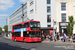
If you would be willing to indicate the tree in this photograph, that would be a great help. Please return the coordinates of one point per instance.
(70, 26)
(6, 28)
(0, 30)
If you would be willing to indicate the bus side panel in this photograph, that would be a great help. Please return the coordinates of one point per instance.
(29, 39)
(19, 38)
(13, 38)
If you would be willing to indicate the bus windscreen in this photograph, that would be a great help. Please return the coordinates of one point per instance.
(34, 24)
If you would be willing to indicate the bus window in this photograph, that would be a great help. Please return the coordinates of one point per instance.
(35, 34)
(14, 27)
(32, 34)
(25, 25)
(34, 24)
(13, 34)
(25, 34)
(17, 26)
(17, 34)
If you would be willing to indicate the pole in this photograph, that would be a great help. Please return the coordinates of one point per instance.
(22, 13)
(53, 31)
(6, 21)
(6, 32)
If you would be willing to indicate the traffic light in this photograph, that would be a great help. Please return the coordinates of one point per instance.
(54, 22)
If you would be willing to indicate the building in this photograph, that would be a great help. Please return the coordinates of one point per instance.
(45, 11)
(41, 10)
(64, 8)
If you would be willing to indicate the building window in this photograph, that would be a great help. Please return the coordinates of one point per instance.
(48, 1)
(48, 9)
(63, 6)
(49, 25)
(63, 16)
(48, 18)
(31, 3)
(31, 11)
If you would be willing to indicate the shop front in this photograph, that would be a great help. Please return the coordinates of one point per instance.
(63, 28)
(47, 30)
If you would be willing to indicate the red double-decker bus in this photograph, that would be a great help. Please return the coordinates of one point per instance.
(28, 31)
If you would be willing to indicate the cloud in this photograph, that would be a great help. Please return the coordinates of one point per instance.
(5, 4)
(3, 16)
(22, 0)
(2, 25)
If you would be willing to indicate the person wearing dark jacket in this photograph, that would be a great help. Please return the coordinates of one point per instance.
(45, 35)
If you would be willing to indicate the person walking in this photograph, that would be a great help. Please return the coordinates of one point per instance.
(45, 35)
(72, 38)
(42, 37)
(64, 37)
(51, 37)
(55, 37)
(58, 36)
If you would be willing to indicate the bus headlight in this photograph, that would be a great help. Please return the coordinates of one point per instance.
(29, 38)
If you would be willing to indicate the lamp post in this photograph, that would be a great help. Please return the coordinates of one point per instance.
(6, 21)
(22, 13)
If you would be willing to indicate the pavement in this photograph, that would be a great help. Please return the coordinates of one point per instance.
(7, 44)
(59, 42)
(52, 42)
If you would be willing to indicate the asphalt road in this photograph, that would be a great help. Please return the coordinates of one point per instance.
(7, 44)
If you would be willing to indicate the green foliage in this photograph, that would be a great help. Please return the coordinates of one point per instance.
(6, 28)
(70, 26)
(0, 30)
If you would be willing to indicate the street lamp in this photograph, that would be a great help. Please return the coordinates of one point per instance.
(3, 30)
(6, 21)
(22, 13)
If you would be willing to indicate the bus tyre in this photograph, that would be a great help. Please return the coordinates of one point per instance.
(15, 39)
(24, 40)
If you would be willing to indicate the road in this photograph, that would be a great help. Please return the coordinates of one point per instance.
(7, 44)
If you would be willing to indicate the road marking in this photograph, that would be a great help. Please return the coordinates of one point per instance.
(32, 49)
(65, 47)
(11, 44)
(22, 47)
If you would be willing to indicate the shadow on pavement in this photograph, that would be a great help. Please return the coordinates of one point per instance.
(5, 46)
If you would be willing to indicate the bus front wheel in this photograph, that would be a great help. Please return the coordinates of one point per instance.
(24, 40)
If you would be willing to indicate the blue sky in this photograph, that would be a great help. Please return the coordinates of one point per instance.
(7, 7)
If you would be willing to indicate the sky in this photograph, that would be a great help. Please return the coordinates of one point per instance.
(7, 7)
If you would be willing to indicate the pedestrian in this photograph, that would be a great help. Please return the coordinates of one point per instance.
(64, 34)
(64, 37)
(55, 37)
(51, 37)
(71, 39)
(55, 33)
(58, 36)
(42, 37)
(45, 35)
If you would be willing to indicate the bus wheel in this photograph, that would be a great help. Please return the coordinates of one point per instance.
(24, 40)
(15, 39)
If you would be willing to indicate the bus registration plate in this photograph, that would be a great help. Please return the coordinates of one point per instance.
(35, 40)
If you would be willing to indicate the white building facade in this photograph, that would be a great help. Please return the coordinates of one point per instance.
(41, 10)
(64, 9)
(45, 11)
